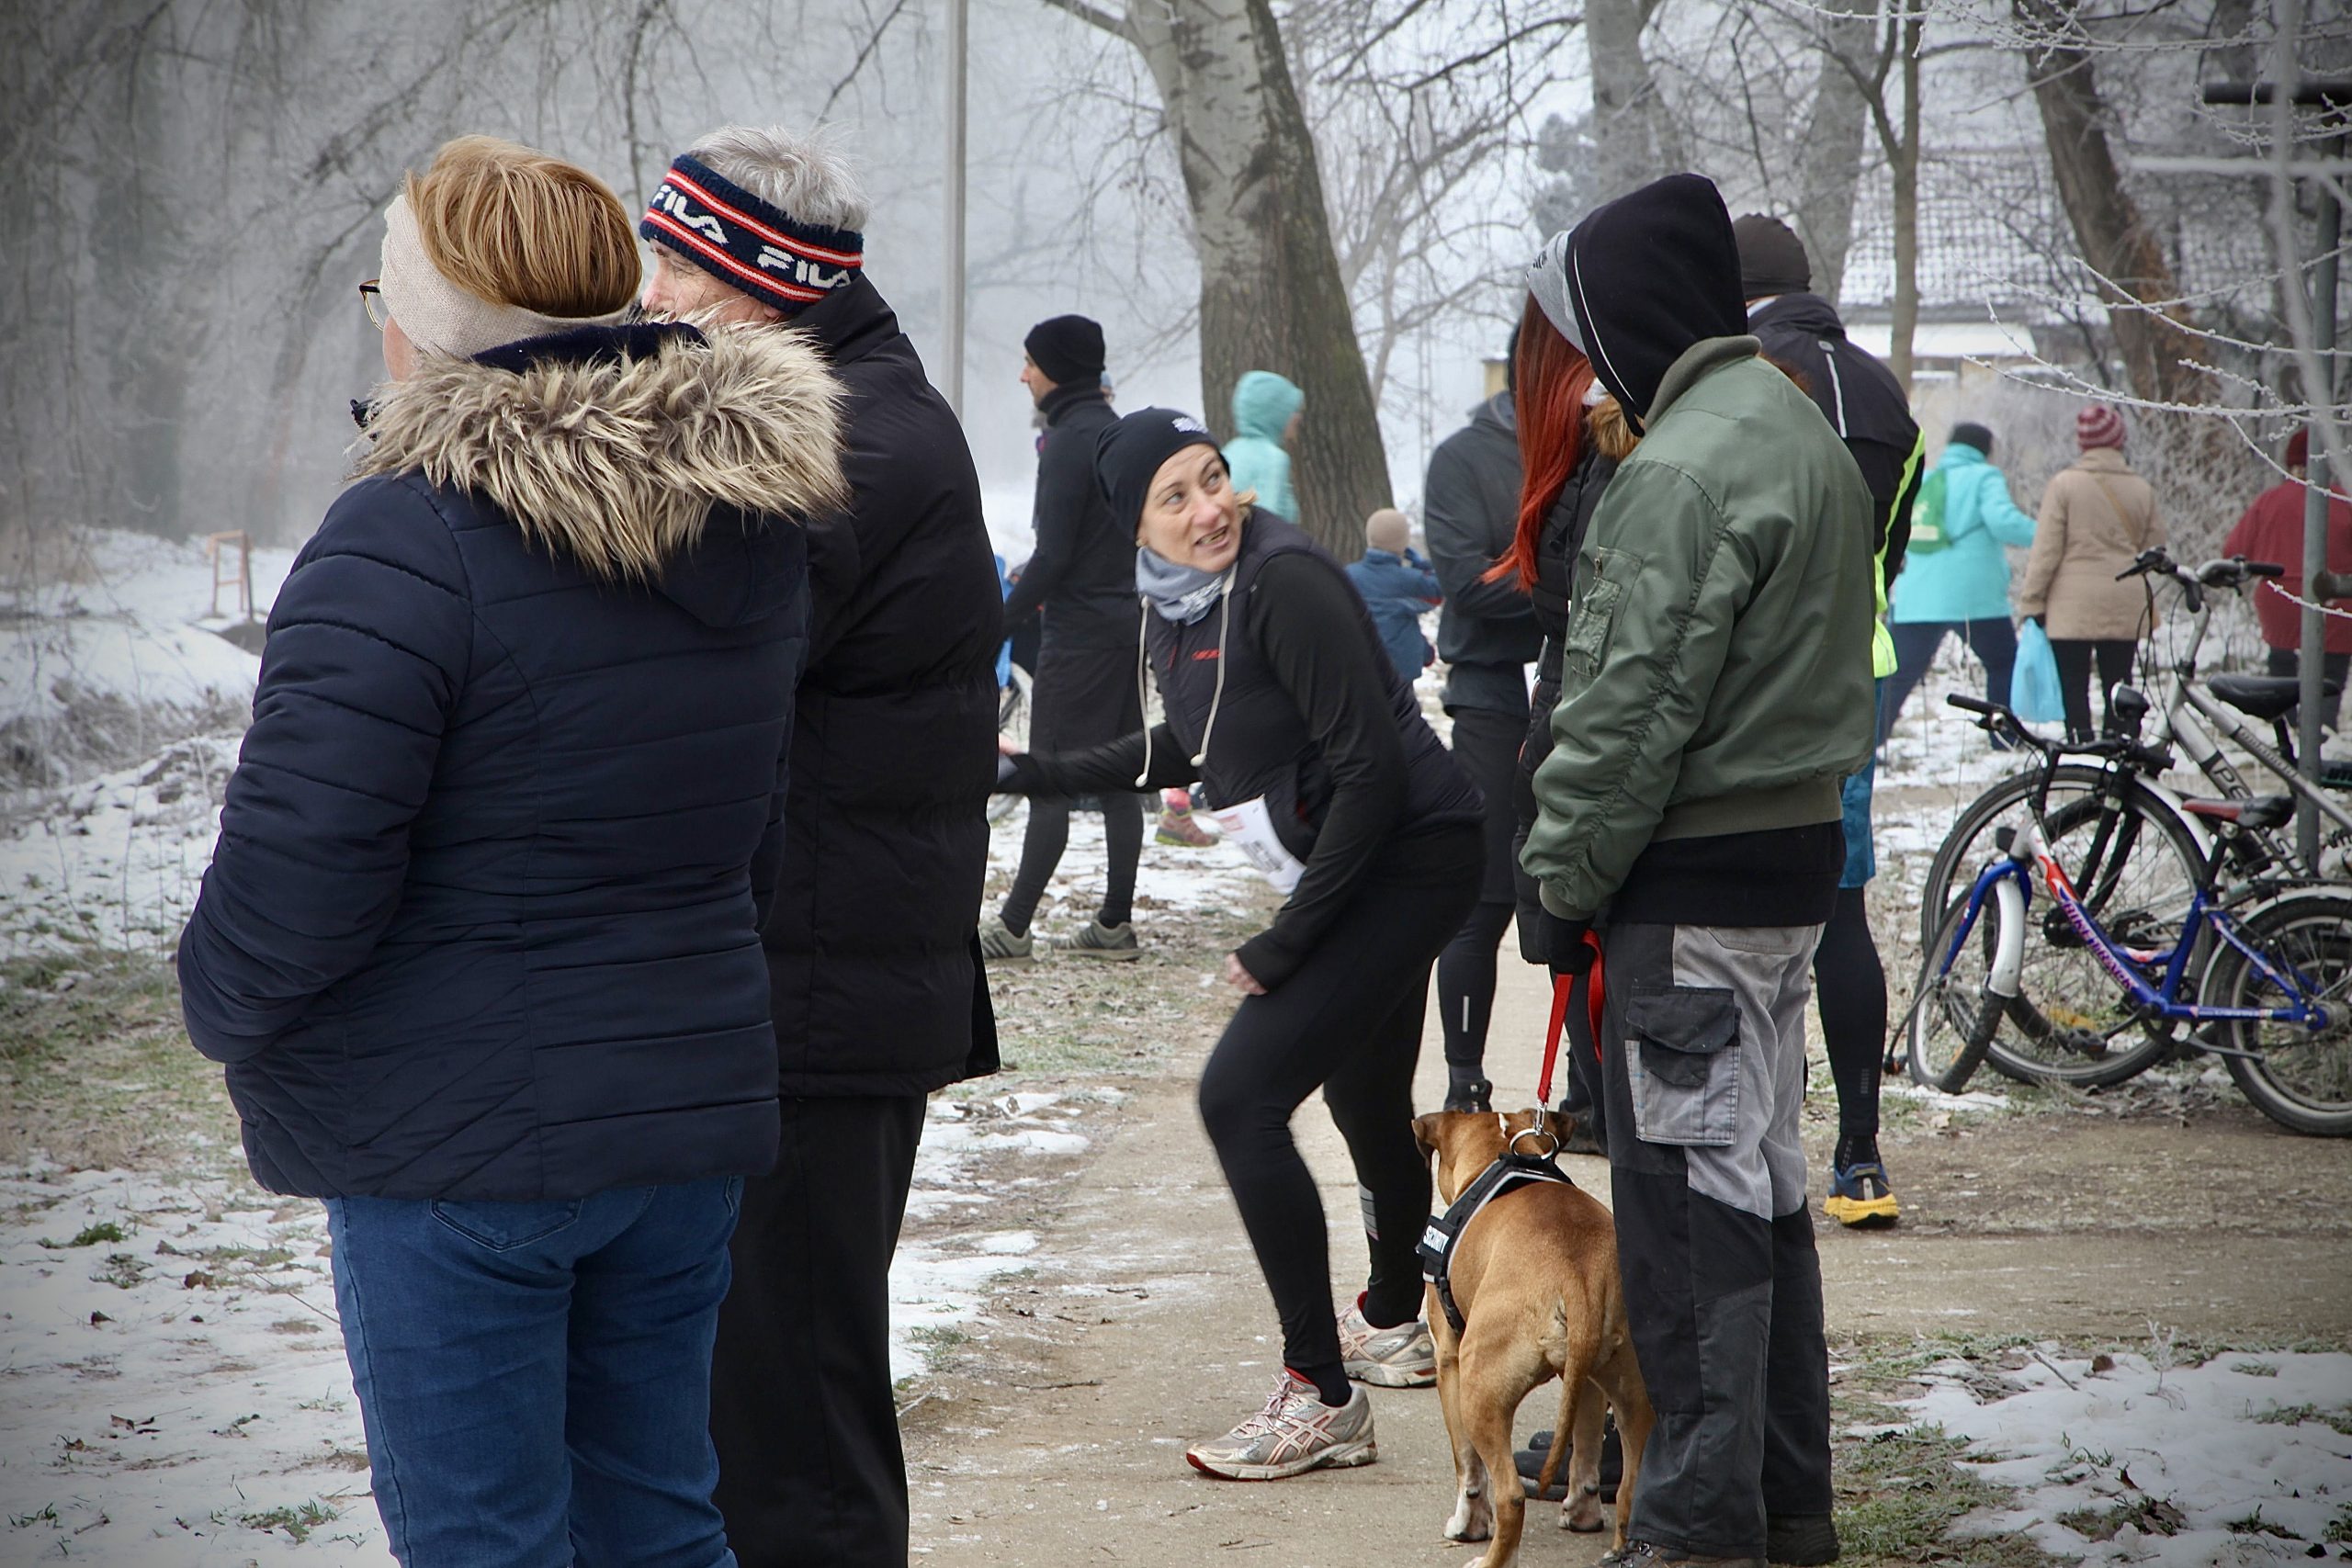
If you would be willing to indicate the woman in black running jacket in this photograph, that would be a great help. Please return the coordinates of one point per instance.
(1282, 704)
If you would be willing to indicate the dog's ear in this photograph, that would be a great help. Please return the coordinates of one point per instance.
(1425, 1133)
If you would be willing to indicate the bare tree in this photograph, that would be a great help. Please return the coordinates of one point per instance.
(2165, 361)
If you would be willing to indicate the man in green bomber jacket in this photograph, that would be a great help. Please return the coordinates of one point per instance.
(1716, 687)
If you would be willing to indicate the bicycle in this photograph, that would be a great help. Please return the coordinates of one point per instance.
(2283, 961)
(2186, 713)
(2135, 855)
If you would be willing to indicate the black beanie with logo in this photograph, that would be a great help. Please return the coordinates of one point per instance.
(1650, 274)
(1129, 452)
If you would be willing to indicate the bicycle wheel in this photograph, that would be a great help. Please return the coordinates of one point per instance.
(1012, 724)
(2302, 1079)
(1953, 1016)
(1971, 845)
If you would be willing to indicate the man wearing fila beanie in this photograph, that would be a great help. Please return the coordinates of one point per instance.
(885, 846)
(1716, 691)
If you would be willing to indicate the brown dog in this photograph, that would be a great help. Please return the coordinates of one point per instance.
(1535, 1276)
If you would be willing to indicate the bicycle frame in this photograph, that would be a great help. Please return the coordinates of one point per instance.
(2007, 881)
(2188, 711)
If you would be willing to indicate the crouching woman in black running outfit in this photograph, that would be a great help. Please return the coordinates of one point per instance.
(1282, 704)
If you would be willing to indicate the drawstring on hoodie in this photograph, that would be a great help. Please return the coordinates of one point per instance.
(1142, 693)
(1216, 693)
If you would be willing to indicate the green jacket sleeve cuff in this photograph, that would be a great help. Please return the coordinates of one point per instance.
(1554, 904)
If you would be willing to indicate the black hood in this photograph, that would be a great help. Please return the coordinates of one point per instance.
(1808, 313)
(1650, 274)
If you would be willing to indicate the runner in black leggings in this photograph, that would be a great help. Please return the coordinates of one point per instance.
(1283, 705)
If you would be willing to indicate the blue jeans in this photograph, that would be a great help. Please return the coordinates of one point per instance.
(535, 1378)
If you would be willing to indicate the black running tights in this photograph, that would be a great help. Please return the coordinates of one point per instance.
(1850, 985)
(1486, 743)
(1349, 1022)
(1049, 836)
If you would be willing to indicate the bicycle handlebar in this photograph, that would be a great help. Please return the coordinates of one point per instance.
(2231, 571)
(2154, 760)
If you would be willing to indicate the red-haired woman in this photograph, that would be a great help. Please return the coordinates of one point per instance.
(1572, 436)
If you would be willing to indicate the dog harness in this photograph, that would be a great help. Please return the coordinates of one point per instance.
(1511, 1171)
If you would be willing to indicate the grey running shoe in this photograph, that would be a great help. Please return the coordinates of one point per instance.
(1402, 1357)
(1294, 1433)
(997, 940)
(1096, 940)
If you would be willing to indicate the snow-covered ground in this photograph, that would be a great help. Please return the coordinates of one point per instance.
(173, 1390)
(120, 660)
(133, 619)
(2247, 1458)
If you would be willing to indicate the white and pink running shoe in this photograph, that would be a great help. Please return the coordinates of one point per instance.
(1294, 1433)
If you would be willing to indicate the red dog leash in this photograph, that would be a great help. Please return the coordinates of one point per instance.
(1562, 985)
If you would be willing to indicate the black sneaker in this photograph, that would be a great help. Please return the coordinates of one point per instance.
(1475, 1095)
(1530, 1461)
(1800, 1539)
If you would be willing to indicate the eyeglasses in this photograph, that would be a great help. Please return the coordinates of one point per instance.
(371, 299)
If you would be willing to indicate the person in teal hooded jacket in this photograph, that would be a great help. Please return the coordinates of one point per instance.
(1265, 416)
(1963, 587)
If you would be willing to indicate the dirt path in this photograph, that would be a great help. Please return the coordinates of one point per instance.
(1057, 1437)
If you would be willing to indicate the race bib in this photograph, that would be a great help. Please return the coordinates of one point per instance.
(1249, 828)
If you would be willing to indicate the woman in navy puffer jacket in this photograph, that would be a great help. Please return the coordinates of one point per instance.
(479, 942)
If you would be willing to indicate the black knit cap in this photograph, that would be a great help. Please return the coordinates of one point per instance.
(1128, 453)
(1970, 433)
(1771, 258)
(1650, 273)
(1066, 348)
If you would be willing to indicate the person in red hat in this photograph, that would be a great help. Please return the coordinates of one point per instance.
(2272, 530)
(2097, 516)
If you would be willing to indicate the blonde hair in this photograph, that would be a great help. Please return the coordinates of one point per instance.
(514, 226)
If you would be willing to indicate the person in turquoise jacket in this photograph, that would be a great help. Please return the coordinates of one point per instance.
(1265, 418)
(1964, 586)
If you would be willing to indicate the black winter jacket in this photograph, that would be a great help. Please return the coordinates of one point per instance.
(873, 944)
(1864, 405)
(1083, 570)
(482, 919)
(1469, 513)
(1287, 690)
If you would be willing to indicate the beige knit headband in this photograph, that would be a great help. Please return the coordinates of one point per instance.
(441, 317)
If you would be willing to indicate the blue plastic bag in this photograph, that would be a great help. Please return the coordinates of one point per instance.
(2035, 695)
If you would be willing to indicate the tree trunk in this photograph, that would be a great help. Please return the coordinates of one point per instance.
(1907, 211)
(2107, 222)
(1833, 143)
(1271, 297)
(1634, 133)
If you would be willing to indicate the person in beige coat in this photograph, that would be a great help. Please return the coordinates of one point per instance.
(2096, 517)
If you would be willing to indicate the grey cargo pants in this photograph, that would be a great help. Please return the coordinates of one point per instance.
(1703, 1067)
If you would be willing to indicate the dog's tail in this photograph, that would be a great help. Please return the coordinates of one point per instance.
(1562, 1425)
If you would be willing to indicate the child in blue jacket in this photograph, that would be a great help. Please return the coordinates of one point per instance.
(1398, 587)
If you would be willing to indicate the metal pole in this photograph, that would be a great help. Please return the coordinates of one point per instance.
(2316, 477)
(951, 312)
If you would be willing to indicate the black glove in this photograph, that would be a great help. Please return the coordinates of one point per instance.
(1564, 947)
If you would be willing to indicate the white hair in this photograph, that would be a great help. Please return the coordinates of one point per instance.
(803, 173)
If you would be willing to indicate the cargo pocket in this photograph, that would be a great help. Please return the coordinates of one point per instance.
(1682, 1064)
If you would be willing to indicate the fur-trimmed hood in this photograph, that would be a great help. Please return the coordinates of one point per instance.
(613, 446)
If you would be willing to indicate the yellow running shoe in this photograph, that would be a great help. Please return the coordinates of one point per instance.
(1860, 1196)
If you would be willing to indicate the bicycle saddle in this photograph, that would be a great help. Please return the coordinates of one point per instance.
(2264, 696)
(2262, 811)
